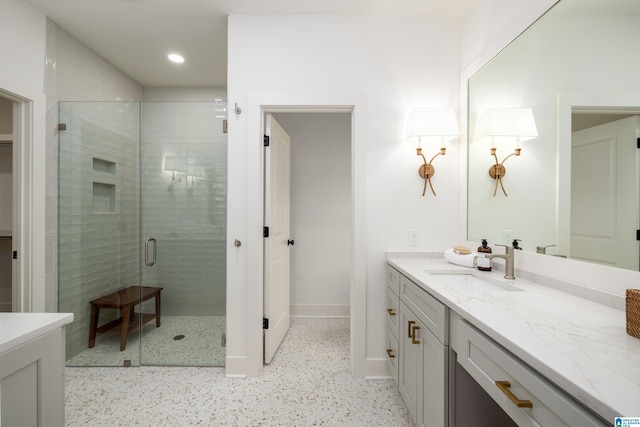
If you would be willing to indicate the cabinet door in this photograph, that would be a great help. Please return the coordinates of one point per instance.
(392, 355)
(410, 366)
(423, 371)
(433, 410)
(31, 381)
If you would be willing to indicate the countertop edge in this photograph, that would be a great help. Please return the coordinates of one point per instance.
(19, 328)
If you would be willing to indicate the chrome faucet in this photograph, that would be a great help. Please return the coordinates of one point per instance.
(543, 249)
(508, 259)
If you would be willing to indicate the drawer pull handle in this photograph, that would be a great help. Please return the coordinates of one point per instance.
(409, 323)
(413, 335)
(504, 387)
(391, 312)
(390, 353)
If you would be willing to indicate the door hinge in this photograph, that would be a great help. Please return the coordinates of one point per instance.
(266, 140)
(265, 231)
(637, 234)
(225, 126)
(265, 323)
(15, 254)
(62, 126)
(638, 142)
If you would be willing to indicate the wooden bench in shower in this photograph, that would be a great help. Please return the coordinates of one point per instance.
(125, 300)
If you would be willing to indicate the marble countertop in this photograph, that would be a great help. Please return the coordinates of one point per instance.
(579, 345)
(19, 328)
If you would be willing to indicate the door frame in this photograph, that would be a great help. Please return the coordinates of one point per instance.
(245, 201)
(29, 172)
(356, 294)
(567, 105)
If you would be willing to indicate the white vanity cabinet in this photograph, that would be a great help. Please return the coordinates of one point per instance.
(522, 393)
(32, 368)
(423, 361)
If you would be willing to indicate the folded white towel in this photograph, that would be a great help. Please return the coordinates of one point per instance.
(459, 259)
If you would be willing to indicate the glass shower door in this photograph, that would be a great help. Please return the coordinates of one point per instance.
(142, 231)
(98, 228)
(183, 196)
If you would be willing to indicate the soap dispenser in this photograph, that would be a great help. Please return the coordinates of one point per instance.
(483, 263)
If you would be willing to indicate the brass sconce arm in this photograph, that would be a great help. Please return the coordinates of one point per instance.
(427, 170)
(498, 171)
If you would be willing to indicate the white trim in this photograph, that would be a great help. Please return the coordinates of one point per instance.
(245, 268)
(320, 310)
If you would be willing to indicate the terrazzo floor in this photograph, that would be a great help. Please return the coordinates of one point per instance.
(179, 341)
(307, 384)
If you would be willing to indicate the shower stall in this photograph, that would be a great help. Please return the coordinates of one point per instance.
(142, 231)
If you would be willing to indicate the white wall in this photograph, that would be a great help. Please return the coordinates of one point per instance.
(385, 66)
(320, 212)
(73, 73)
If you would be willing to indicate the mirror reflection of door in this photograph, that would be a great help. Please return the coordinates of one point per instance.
(605, 194)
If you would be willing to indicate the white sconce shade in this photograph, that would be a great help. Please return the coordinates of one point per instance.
(507, 124)
(425, 122)
(170, 163)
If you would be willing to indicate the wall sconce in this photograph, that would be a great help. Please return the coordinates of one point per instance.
(505, 125)
(431, 123)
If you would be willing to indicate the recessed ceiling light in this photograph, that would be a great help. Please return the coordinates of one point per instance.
(174, 57)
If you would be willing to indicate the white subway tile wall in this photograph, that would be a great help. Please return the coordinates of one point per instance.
(73, 72)
(99, 245)
(188, 217)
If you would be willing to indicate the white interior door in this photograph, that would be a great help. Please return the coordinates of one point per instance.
(605, 194)
(276, 245)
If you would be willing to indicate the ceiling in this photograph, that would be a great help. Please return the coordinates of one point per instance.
(137, 35)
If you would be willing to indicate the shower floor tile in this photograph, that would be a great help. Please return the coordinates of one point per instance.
(180, 341)
(308, 383)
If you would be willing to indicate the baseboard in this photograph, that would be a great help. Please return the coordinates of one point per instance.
(5, 307)
(320, 310)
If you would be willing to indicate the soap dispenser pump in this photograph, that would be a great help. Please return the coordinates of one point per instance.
(483, 263)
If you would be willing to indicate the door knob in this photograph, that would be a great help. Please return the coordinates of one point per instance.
(290, 242)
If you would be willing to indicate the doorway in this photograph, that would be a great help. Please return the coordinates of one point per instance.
(321, 212)
(605, 213)
(6, 205)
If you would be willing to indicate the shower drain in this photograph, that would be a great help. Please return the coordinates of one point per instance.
(178, 337)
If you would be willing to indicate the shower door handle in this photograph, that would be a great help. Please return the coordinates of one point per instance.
(146, 251)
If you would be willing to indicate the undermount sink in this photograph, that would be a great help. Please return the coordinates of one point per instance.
(474, 283)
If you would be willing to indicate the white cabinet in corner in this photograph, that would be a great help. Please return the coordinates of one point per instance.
(32, 369)
(527, 397)
(423, 359)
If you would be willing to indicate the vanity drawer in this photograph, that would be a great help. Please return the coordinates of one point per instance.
(393, 312)
(393, 279)
(488, 363)
(392, 355)
(429, 310)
